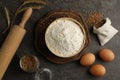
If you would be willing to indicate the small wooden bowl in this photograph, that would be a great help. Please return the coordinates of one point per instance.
(40, 35)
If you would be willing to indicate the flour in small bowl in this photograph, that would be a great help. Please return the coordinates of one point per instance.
(64, 37)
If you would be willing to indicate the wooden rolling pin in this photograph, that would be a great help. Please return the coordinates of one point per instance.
(12, 43)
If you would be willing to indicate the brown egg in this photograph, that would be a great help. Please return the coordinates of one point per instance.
(106, 55)
(97, 70)
(87, 59)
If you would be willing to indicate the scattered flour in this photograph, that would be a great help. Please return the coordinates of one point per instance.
(64, 37)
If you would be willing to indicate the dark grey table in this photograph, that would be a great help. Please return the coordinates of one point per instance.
(72, 70)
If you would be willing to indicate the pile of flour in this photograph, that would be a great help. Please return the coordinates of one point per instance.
(64, 37)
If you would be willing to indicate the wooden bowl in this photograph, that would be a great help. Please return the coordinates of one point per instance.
(41, 28)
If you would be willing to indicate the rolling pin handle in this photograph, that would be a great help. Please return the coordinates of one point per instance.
(25, 17)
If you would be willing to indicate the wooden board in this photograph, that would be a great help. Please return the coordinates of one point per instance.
(40, 34)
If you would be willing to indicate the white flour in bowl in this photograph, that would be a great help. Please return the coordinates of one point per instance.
(64, 37)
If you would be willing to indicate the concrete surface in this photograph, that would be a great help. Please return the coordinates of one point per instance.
(72, 70)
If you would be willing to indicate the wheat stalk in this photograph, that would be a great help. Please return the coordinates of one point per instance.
(33, 7)
(20, 9)
(34, 1)
(7, 18)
